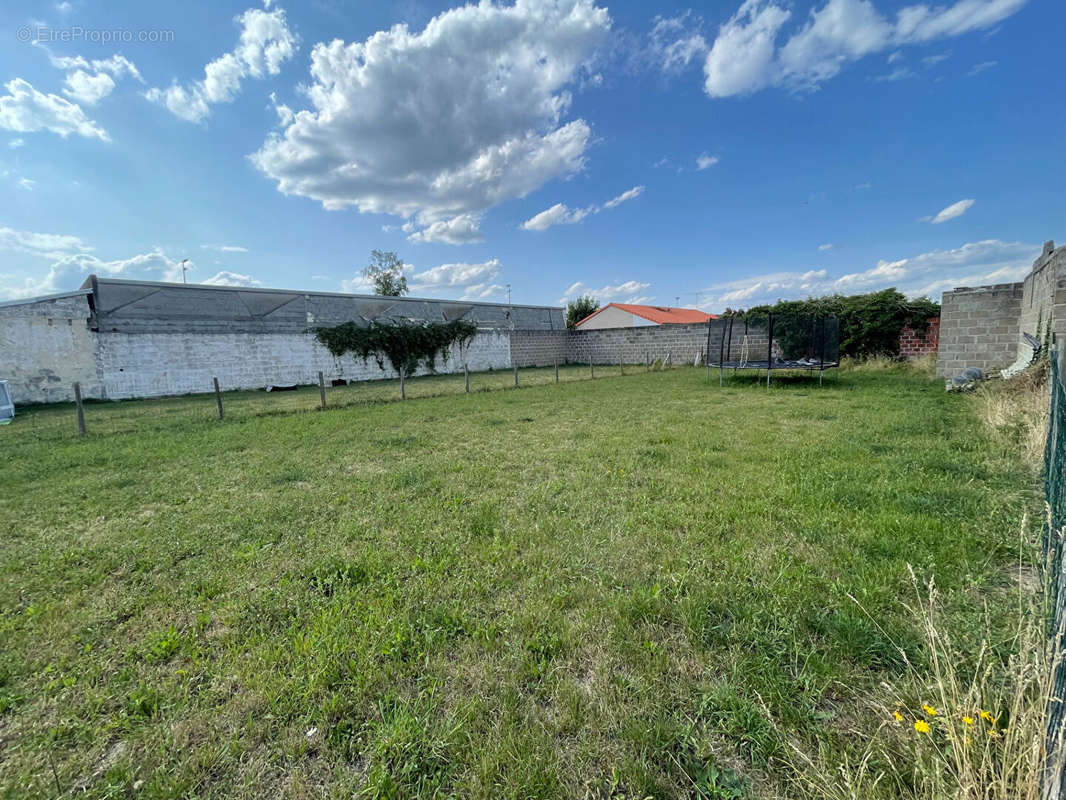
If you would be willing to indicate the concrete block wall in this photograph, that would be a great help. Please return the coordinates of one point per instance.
(682, 343)
(539, 348)
(979, 328)
(45, 347)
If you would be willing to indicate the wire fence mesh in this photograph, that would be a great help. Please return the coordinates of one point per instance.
(103, 418)
(1055, 495)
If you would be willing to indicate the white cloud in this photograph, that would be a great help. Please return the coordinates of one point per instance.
(952, 211)
(628, 194)
(227, 278)
(15, 143)
(26, 110)
(927, 274)
(936, 58)
(461, 229)
(676, 42)
(45, 245)
(746, 57)
(561, 214)
(89, 81)
(977, 69)
(442, 122)
(224, 248)
(265, 43)
(70, 270)
(627, 292)
(824, 247)
(704, 161)
(473, 281)
(26, 183)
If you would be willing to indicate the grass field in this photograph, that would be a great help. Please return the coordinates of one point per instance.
(626, 587)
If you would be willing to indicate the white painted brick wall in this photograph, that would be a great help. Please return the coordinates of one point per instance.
(151, 365)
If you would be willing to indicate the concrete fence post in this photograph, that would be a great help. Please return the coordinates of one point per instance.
(81, 410)
(218, 399)
(322, 389)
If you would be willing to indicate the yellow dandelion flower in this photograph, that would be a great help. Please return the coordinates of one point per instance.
(921, 726)
(986, 716)
(968, 721)
(929, 710)
(898, 716)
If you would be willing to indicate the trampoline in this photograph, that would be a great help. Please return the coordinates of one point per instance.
(770, 342)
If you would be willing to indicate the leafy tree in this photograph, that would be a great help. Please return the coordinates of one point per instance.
(578, 309)
(870, 324)
(385, 271)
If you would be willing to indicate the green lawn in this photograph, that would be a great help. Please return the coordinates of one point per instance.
(625, 587)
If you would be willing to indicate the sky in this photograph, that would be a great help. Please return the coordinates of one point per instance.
(713, 155)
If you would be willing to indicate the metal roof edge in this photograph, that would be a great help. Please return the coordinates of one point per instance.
(41, 298)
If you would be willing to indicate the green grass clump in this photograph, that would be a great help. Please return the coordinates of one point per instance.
(625, 587)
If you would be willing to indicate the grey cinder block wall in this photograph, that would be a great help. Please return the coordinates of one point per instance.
(982, 326)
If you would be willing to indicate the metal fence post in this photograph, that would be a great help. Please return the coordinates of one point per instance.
(322, 388)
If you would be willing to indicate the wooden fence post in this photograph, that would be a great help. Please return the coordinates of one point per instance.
(556, 370)
(218, 399)
(466, 374)
(620, 370)
(322, 389)
(403, 385)
(515, 376)
(81, 411)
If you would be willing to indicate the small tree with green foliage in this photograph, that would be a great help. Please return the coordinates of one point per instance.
(385, 271)
(579, 308)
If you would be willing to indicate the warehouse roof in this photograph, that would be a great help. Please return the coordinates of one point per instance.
(152, 307)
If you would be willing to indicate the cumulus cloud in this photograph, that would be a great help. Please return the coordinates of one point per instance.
(627, 292)
(45, 245)
(26, 110)
(461, 229)
(952, 211)
(265, 43)
(448, 121)
(561, 214)
(464, 281)
(227, 278)
(70, 270)
(90, 81)
(471, 281)
(704, 161)
(746, 55)
(926, 274)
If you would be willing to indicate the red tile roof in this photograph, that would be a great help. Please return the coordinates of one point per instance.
(658, 314)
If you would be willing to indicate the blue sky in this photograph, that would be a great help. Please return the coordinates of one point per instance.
(726, 153)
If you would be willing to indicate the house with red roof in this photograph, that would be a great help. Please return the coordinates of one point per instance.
(629, 315)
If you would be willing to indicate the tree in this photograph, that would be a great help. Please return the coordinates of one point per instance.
(385, 271)
(578, 309)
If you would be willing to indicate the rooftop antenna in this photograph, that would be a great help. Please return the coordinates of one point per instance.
(677, 299)
(184, 269)
(508, 294)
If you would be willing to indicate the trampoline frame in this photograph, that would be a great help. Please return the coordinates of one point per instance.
(725, 353)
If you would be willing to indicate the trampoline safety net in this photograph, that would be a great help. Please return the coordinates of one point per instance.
(774, 341)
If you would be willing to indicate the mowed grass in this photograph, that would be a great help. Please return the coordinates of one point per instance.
(627, 587)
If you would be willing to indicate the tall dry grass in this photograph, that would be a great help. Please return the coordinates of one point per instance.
(1018, 410)
(959, 726)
